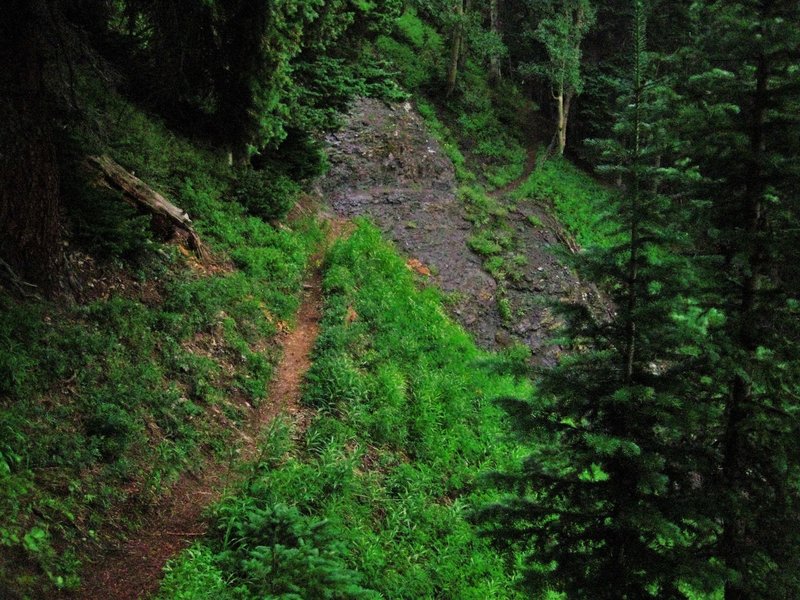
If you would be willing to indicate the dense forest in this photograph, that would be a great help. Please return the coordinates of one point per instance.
(400, 299)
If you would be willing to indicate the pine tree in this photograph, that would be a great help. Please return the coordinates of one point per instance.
(744, 123)
(606, 502)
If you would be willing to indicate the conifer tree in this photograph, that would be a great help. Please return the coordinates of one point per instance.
(604, 503)
(744, 121)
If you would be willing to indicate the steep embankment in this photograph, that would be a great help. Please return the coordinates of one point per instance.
(134, 570)
(385, 164)
(151, 375)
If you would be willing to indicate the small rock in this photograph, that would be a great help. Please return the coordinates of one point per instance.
(503, 338)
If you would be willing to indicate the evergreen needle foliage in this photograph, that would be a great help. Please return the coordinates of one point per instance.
(742, 119)
(605, 505)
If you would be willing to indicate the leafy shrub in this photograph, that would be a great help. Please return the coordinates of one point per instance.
(274, 551)
(265, 194)
(195, 576)
(113, 427)
(380, 77)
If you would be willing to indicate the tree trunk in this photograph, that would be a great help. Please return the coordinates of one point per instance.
(146, 198)
(455, 49)
(463, 49)
(494, 17)
(563, 101)
(746, 338)
(30, 223)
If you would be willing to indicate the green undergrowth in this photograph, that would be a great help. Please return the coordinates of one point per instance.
(103, 403)
(373, 501)
(485, 120)
(579, 201)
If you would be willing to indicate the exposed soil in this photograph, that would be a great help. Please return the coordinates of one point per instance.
(134, 570)
(385, 165)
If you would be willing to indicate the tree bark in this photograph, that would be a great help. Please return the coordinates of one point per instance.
(494, 18)
(563, 101)
(455, 49)
(30, 206)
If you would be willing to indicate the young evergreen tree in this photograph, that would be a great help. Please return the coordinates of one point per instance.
(607, 501)
(744, 123)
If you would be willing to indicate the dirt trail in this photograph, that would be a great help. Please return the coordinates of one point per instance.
(134, 570)
(511, 186)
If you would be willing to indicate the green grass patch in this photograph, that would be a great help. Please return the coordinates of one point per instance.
(580, 202)
(415, 49)
(484, 243)
(388, 469)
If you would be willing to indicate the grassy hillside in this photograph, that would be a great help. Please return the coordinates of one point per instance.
(104, 403)
(486, 123)
(388, 470)
(107, 401)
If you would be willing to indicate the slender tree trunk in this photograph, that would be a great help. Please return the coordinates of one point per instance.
(455, 49)
(494, 17)
(732, 542)
(30, 218)
(559, 122)
(463, 49)
(563, 101)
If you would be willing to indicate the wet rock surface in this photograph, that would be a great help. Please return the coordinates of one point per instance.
(385, 165)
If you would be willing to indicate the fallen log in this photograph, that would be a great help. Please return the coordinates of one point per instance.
(142, 196)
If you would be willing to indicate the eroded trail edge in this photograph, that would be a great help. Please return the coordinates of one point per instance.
(134, 570)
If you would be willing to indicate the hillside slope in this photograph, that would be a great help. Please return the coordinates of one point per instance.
(387, 164)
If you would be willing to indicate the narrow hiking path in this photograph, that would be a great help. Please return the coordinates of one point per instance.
(512, 186)
(134, 570)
